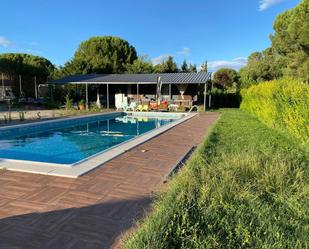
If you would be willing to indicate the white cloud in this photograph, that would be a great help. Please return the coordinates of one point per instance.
(265, 4)
(5, 42)
(159, 59)
(32, 51)
(25, 47)
(236, 64)
(185, 51)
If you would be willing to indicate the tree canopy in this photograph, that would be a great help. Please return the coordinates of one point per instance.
(25, 64)
(188, 69)
(192, 68)
(291, 39)
(167, 66)
(204, 67)
(184, 67)
(141, 65)
(262, 66)
(28, 66)
(102, 54)
(225, 77)
(289, 51)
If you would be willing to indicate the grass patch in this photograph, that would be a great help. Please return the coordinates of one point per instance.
(245, 187)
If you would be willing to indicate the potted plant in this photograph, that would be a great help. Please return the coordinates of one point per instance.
(82, 104)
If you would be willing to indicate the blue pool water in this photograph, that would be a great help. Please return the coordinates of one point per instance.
(67, 142)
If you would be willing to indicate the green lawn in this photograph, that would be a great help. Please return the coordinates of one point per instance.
(246, 186)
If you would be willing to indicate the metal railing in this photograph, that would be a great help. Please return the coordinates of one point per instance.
(194, 106)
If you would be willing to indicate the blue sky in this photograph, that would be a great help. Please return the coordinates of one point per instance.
(224, 32)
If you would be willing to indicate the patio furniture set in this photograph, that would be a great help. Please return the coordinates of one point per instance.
(135, 103)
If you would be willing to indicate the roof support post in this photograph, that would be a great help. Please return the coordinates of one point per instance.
(205, 91)
(209, 102)
(158, 93)
(20, 88)
(170, 92)
(87, 100)
(52, 90)
(35, 88)
(137, 92)
(3, 91)
(107, 96)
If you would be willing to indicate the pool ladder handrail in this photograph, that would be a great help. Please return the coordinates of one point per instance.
(191, 109)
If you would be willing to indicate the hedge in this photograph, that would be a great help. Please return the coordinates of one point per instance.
(225, 100)
(282, 104)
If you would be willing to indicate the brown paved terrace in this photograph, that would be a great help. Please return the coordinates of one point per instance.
(92, 211)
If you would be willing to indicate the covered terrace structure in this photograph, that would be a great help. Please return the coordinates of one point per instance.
(177, 89)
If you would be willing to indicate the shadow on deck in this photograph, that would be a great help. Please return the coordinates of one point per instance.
(95, 226)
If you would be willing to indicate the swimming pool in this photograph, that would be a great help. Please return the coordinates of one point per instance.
(72, 141)
(71, 147)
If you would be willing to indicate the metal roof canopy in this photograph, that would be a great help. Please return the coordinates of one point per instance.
(166, 78)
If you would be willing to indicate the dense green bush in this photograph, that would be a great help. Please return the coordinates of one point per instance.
(225, 100)
(50, 103)
(282, 104)
(246, 187)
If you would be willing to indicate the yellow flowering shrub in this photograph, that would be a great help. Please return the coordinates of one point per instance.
(282, 104)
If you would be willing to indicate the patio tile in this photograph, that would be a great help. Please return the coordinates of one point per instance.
(94, 210)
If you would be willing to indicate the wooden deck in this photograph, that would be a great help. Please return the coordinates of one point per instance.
(92, 211)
